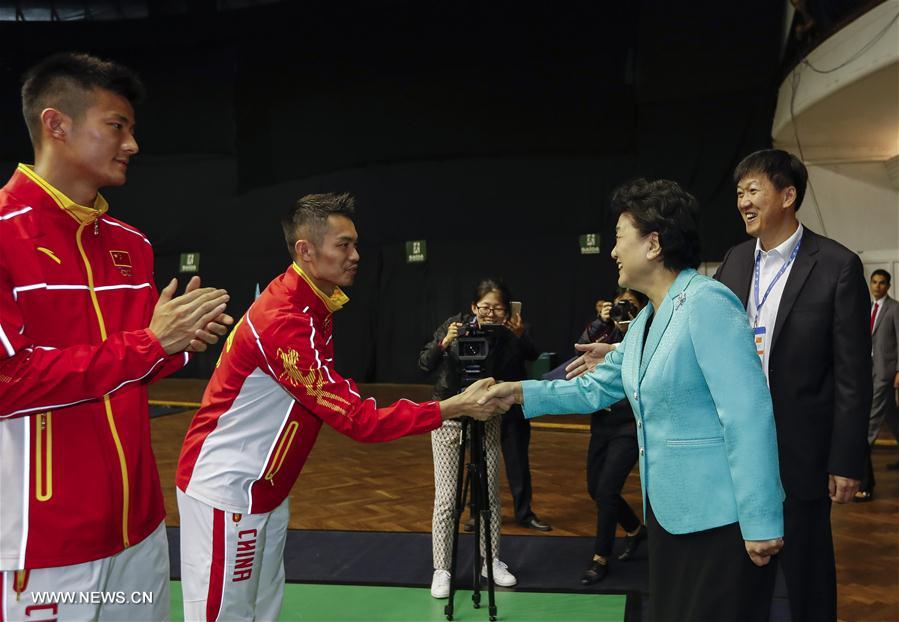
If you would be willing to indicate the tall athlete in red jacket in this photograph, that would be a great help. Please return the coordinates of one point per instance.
(273, 388)
(81, 335)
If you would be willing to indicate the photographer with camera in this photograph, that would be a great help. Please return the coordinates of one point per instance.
(490, 308)
(612, 452)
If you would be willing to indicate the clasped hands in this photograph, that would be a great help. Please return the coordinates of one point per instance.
(482, 400)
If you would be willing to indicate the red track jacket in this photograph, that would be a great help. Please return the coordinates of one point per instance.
(78, 481)
(273, 387)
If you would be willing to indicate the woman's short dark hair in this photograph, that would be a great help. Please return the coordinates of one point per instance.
(492, 285)
(663, 207)
(782, 168)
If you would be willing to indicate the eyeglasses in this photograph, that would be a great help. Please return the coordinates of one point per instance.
(486, 309)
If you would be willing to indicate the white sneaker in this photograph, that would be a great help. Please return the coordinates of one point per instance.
(501, 574)
(440, 584)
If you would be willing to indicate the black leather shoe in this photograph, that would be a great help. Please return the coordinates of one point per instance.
(535, 523)
(893, 467)
(863, 496)
(631, 543)
(595, 573)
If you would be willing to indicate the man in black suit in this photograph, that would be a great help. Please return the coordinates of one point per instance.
(807, 300)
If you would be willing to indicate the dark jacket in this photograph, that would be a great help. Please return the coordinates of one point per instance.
(511, 352)
(819, 366)
(618, 415)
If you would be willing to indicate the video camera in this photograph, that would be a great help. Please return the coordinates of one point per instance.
(475, 347)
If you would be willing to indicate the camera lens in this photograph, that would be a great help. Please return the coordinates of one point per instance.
(623, 310)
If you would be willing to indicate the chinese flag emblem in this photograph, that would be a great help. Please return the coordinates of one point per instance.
(121, 259)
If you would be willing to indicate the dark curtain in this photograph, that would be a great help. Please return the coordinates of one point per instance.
(494, 132)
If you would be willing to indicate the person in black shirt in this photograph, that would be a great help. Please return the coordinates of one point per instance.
(612, 452)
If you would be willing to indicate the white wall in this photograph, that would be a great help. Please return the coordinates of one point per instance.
(858, 204)
(863, 47)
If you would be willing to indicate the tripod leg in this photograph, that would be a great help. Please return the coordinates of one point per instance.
(461, 491)
(477, 505)
(486, 509)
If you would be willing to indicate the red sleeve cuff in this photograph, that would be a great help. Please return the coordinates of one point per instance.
(433, 409)
(154, 344)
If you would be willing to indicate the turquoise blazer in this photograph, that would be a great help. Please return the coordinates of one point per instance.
(705, 424)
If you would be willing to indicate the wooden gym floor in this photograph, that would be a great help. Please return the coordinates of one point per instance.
(389, 487)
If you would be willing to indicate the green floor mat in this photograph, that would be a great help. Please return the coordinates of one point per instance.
(345, 603)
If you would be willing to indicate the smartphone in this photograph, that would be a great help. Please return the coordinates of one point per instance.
(516, 307)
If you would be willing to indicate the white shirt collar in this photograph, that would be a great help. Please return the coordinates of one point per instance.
(784, 249)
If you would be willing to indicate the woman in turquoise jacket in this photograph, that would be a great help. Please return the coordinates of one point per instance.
(712, 496)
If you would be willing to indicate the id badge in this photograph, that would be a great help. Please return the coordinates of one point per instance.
(761, 336)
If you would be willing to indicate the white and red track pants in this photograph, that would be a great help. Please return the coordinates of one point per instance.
(132, 585)
(232, 565)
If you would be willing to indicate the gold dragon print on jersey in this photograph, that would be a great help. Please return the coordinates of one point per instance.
(312, 381)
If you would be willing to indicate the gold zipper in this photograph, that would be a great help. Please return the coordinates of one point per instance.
(123, 465)
(281, 451)
(20, 582)
(43, 441)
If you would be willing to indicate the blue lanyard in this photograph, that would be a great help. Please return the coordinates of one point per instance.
(780, 273)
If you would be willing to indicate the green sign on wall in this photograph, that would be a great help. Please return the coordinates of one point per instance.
(416, 251)
(589, 244)
(190, 262)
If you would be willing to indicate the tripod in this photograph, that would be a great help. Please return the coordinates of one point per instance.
(475, 490)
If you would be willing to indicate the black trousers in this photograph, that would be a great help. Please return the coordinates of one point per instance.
(868, 480)
(807, 560)
(611, 455)
(705, 576)
(515, 438)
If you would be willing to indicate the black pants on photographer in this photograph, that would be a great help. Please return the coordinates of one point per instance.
(515, 437)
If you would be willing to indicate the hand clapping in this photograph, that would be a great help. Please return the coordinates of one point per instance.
(191, 321)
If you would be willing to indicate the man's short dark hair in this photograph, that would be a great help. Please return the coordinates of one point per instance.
(782, 168)
(883, 273)
(64, 81)
(663, 207)
(312, 212)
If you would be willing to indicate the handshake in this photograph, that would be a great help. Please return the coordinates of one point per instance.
(482, 400)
